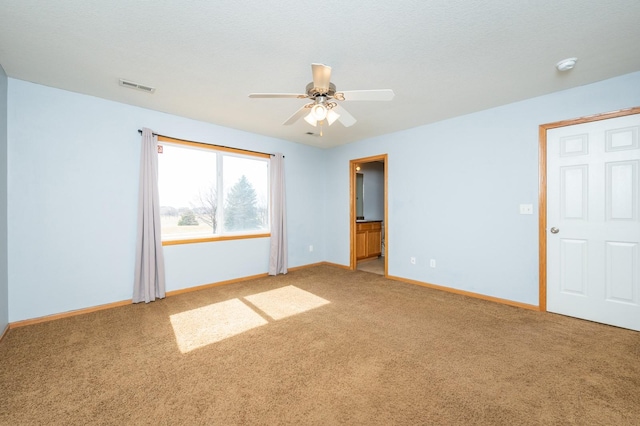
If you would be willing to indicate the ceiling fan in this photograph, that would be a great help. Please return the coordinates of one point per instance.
(325, 98)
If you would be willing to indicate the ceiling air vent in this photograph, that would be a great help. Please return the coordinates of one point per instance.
(133, 85)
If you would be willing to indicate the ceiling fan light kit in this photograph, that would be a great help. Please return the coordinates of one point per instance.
(332, 116)
(324, 96)
(311, 120)
(319, 112)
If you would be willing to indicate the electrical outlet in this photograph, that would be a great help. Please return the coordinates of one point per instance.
(432, 263)
(310, 248)
(526, 208)
(413, 260)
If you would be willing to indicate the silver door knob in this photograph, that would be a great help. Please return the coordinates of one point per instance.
(554, 230)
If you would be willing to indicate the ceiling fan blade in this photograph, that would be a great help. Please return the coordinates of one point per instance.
(345, 118)
(297, 115)
(321, 77)
(278, 95)
(365, 95)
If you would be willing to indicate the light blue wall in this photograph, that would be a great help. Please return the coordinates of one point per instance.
(73, 184)
(4, 277)
(373, 188)
(454, 190)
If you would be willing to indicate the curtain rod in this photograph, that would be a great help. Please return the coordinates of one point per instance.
(221, 146)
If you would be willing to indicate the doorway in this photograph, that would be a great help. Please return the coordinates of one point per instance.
(589, 191)
(363, 216)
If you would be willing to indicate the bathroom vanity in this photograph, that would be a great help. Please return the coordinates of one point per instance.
(368, 239)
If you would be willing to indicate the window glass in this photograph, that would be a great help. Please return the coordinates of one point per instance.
(208, 193)
(245, 194)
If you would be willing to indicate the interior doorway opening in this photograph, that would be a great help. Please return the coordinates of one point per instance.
(369, 214)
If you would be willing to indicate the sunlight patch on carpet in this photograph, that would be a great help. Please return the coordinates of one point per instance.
(286, 301)
(210, 324)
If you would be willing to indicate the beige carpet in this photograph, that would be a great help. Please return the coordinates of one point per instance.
(320, 346)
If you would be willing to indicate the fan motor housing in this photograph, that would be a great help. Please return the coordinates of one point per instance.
(313, 92)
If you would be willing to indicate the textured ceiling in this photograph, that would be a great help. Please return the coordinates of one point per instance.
(442, 58)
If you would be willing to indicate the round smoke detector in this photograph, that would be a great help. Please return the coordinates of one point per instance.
(566, 64)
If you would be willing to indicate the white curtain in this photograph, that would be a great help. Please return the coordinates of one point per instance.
(278, 252)
(149, 279)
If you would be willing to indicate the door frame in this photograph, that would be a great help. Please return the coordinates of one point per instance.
(352, 207)
(542, 189)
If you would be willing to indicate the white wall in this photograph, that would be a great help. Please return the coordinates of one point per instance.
(373, 190)
(4, 277)
(72, 191)
(454, 190)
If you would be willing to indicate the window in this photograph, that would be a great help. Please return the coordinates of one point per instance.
(208, 192)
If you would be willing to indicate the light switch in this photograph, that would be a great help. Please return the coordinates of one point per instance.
(526, 208)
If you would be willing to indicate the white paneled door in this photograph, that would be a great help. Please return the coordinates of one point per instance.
(593, 224)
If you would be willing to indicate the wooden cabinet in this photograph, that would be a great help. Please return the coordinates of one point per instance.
(361, 244)
(368, 240)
